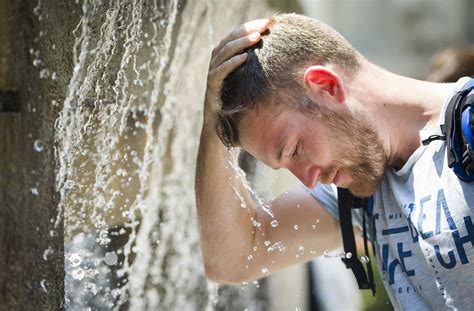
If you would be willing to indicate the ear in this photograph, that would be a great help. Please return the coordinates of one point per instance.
(323, 80)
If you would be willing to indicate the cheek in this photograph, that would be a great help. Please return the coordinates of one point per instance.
(319, 152)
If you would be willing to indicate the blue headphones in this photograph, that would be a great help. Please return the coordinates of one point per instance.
(458, 131)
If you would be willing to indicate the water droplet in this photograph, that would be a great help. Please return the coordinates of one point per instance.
(75, 260)
(326, 253)
(314, 227)
(278, 246)
(44, 73)
(364, 259)
(122, 172)
(69, 184)
(115, 293)
(34, 191)
(348, 255)
(44, 285)
(265, 271)
(317, 221)
(274, 223)
(37, 62)
(54, 76)
(297, 206)
(249, 257)
(92, 288)
(38, 145)
(78, 274)
(53, 233)
(48, 253)
(301, 250)
(267, 243)
(257, 285)
(110, 258)
(138, 82)
(296, 227)
(77, 68)
(255, 223)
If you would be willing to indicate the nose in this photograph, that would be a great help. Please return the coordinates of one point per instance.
(309, 176)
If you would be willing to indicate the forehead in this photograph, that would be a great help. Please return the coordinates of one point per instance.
(258, 125)
(263, 131)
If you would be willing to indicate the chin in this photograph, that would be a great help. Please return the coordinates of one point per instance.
(362, 190)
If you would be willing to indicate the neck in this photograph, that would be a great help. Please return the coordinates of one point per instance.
(399, 107)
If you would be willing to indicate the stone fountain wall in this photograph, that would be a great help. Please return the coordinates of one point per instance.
(100, 112)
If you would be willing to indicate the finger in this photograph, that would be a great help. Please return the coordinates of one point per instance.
(234, 47)
(222, 71)
(259, 25)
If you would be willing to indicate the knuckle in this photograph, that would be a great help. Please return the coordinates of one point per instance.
(216, 50)
(226, 48)
(235, 61)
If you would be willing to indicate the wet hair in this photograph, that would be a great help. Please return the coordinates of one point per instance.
(274, 69)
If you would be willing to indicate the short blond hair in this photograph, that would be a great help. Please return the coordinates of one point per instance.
(272, 72)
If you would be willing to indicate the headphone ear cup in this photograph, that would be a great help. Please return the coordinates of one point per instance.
(467, 119)
(467, 128)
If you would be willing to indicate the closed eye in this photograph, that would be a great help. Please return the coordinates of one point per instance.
(297, 150)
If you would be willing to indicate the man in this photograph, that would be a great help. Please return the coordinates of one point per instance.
(300, 97)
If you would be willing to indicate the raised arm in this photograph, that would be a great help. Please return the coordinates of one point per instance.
(234, 248)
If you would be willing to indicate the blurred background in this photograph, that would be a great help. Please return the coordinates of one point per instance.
(100, 115)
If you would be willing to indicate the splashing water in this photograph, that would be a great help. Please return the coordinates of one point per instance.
(126, 142)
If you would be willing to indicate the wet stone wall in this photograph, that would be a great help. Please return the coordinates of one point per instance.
(97, 152)
(36, 62)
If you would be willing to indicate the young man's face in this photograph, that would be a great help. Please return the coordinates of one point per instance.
(327, 147)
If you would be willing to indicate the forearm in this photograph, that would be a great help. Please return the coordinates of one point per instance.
(226, 229)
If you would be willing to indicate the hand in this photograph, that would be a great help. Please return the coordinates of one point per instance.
(225, 58)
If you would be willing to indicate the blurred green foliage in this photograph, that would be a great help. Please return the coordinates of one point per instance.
(381, 301)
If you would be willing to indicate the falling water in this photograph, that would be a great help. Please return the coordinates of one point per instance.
(126, 141)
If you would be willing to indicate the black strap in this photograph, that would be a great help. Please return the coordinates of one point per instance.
(346, 201)
(370, 273)
(427, 141)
